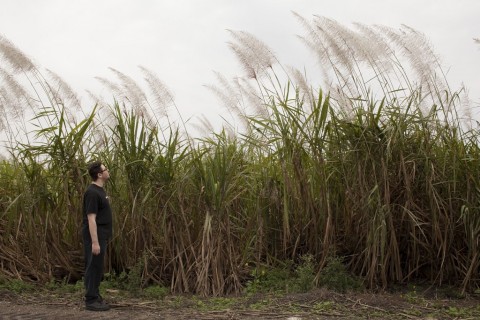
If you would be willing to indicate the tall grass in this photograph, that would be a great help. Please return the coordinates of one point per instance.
(377, 168)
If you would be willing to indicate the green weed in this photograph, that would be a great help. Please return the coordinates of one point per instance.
(335, 276)
(219, 303)
(17, 286)
(260, 305)
(64, 286)
(323, 306)
(155, 292)
(458, 312)
(282, 279)
(268, 280)
(304, 275)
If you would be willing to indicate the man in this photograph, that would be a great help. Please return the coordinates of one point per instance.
(97, 229)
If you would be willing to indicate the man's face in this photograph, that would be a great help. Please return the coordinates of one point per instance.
(104, 174)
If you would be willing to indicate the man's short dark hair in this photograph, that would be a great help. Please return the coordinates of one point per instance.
(94, 169)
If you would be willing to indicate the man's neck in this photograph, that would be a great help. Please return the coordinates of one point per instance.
(99, 183)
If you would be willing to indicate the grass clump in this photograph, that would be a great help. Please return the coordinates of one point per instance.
(16, 286)
(155, 292)
(132, 283)
(268, 280)
(260, 304)
(127, 280)
(323, 306)
(123, 281)
(218, 303)
(460, 313)
(282, 279)
(335, 276)
(304, 280)
(64, 286)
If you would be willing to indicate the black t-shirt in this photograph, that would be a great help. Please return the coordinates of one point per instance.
(95, 200)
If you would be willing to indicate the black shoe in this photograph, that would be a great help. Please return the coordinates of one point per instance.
(97, 306)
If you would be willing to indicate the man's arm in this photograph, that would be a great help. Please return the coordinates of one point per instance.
(92, 227)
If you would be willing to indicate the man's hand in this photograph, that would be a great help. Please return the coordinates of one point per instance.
(95, 248)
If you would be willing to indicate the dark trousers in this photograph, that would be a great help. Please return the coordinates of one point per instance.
(93, 267)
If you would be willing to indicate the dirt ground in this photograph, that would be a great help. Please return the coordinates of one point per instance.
(318, 304)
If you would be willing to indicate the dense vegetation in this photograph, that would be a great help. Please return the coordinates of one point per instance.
(379, 169)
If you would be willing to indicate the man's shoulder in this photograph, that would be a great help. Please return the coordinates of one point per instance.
(92, 190)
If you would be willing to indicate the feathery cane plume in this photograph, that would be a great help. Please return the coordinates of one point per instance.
(65, 90)
(14, 56)
(252, 53)
(163, 98)
(132, 92)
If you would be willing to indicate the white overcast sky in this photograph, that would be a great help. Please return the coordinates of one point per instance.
(184, 41)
